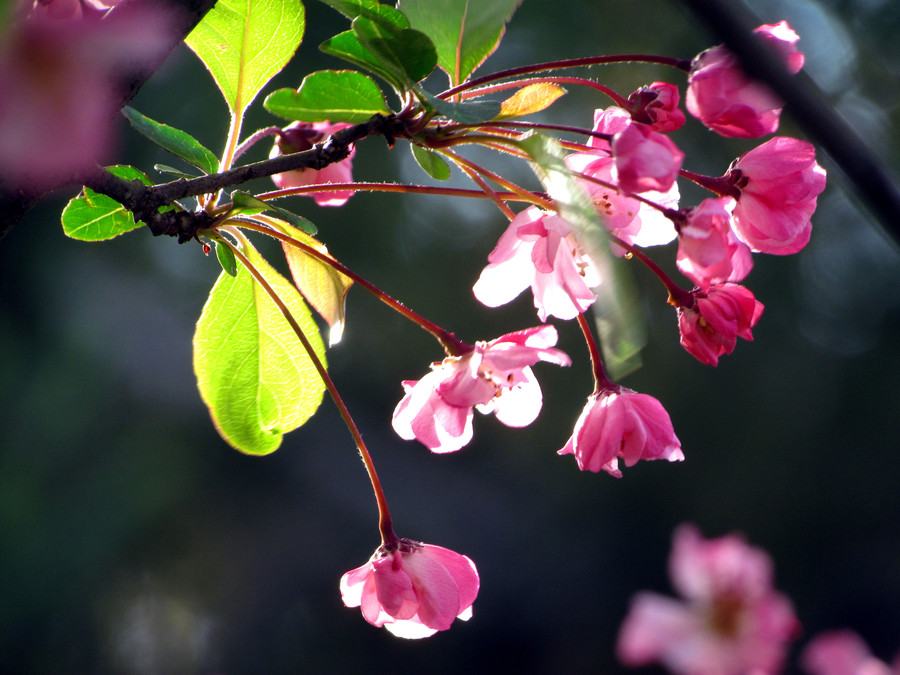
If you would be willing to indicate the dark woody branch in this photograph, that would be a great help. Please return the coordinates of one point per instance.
(144, 201)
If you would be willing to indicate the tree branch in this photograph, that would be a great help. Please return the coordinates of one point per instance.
(807, 104)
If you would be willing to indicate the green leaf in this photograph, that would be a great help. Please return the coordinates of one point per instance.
(464, 32)
(347, 47)
(323, 286)
(464, 112)
(621, 326)
(226, 258)
(329, 95)
(244, 43)
(95, 217)
(245, 203)
(431, 162)
(165, 168)
(178, 142)
(370, 9)
(252, 371)
(405, 53)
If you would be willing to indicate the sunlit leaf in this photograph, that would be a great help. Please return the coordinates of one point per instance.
(370, 9)
(178, 142)
(244, 43)
(226, 258)
(329, 95)
(252, 371)
(404, 52)
(465, 112)
(323, 286)
(95, 217)
(346, 46)
(620, 324)
(246, 204)
(464, 32)
(530, 99)
(431, 162)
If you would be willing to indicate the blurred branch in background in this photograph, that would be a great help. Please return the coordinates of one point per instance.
(733, 24)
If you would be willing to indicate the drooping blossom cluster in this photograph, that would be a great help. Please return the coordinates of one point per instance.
(59, 72)
(412, 589)
(300, 136)
(495, 377)
(730, 620)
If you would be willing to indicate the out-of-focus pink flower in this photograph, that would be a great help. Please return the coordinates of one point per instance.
(779, 182)
(842, 652)
(708, 251)
(59, 79)
(495, 377)
(632, 221)
(300, 136)
(721, 96)
(539, 249)
(620, 423)
(719, 316)
(645, 160)
(731, 622)
(412, 589)
(657, 106)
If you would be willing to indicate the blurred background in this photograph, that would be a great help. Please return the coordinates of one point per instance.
(134, 540)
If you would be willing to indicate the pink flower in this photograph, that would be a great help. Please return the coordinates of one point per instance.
(708, 251)
(645, 160)
(711, 327)
(608, 121)
(300, 136)
(539, 249)
(628, 219)
(721, 96)
(657, 106)
(60, 79)
(412, 589)
(778, 182)
(620, 423)
(731, 622)
(494, 376)
(842, 652)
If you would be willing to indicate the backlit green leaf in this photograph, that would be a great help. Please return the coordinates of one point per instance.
(247, 204)
(329, 95)
(431, 162)
(465, 112)
(464, 32)
(346, 46)
(621, 326)
(95, 217)
(253, 373)
(178, 142)
(405, 53)
(244, 43)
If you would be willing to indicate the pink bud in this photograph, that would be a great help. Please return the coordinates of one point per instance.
(622, 424)
(721, 96)
(708, 251)
(657, 106)
(645, 159)
(779, 182)
(412, 589)
(711, 327)
(300, 136)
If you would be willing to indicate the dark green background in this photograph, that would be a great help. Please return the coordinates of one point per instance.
(133, 540)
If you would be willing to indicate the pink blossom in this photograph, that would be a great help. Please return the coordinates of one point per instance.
(494, 376)
(719, 316)
(721, 96)
(708, 251)
(59, 79)
(657, 106)
(539, 249)
(300, 136)
(779, 182)
(620, 423)
(412, 589)
(608, 121)
(645, 160)
(842, 652)
(730, 622)
(630, 220)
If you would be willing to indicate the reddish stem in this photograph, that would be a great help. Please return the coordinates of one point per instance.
(721, 185)
(678, 297)
(601, 380)
(618, 100)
